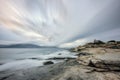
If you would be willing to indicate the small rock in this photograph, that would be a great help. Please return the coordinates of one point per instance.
(60, 54)
(82, 54)
(48, 63)
(61, 58)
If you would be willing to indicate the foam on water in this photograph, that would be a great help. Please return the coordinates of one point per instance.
(28, 60)
(58, 54)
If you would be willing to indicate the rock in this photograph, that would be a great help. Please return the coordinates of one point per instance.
(60, 54)
(48, 63)
(114, 47)
(34, 58)
(118, 42)
(91, 64)
(111, 42)
(106, 64)
(61, 58)
(101, 59)
(85, 60)
(83, 54)
(79, 48)
(98, 42)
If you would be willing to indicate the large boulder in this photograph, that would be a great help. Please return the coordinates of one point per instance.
(105, 64)
(109, 61)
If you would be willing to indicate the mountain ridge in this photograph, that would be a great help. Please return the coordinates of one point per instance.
(23, 45)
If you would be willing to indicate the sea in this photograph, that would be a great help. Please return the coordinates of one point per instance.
(22, 58)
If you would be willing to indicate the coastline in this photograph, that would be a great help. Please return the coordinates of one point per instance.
(93, 63)
(67, 70)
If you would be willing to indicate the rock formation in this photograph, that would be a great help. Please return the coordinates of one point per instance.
(112, 44)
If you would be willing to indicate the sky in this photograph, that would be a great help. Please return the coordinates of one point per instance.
(63, 23)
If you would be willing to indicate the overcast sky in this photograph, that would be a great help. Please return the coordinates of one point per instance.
(59, 22)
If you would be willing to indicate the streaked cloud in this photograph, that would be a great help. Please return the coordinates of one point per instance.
(59, 22)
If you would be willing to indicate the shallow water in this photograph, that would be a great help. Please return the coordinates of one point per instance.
(18, 58)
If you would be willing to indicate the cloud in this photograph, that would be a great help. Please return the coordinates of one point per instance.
(55, 22)
(73, 44)
(105, 36)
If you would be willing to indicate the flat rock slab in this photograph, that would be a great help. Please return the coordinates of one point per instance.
(109, 56)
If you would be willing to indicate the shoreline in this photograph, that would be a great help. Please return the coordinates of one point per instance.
(92, 63)
(24, 62)
(69, 70)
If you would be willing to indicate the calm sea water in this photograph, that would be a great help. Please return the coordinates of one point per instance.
(18, 58)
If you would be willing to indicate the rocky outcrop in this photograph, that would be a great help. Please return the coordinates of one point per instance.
(105, 64)
(99, 64)
(112, 44)
(100, 59)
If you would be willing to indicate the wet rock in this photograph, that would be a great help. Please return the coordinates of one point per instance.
(61, 58)
(48, 63)
(60, 54)
(34, 58)
(83, 54)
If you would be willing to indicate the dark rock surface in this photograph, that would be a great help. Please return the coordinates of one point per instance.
(61, 58)
(48, 63)
(82, 54)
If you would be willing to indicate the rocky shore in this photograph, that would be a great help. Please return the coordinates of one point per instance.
(97, 60)
(112, 44)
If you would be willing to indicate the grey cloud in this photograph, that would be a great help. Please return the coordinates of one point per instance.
(105, 20)
(60, 21)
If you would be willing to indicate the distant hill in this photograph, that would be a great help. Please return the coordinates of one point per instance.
(20, 46)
